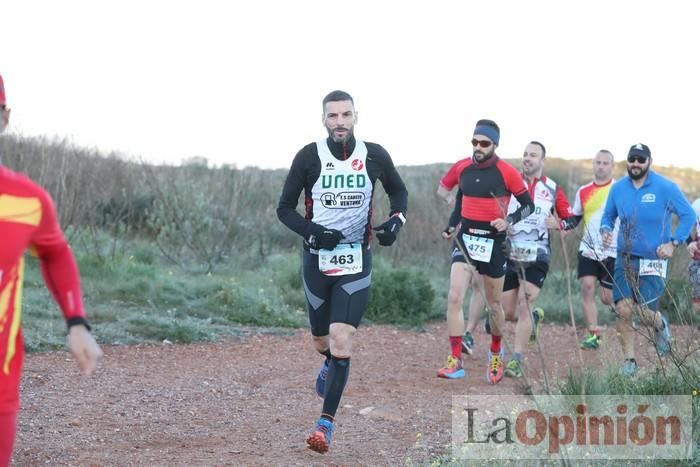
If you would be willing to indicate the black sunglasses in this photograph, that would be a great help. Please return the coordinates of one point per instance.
(483, 143)
(637, 158)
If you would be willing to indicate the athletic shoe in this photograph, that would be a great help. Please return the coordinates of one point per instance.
(514, 369)
(663, 338)
(629, 368)
(592, 341)
(494, 371)
(468, 343)
(537, 318)
(452, 370)
(320, 438)
(321, 379)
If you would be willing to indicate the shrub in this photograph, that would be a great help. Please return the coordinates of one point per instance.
(400, 297)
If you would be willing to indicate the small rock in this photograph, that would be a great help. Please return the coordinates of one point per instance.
(366, 410)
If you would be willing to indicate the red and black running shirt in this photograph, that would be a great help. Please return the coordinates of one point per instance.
(484, 192)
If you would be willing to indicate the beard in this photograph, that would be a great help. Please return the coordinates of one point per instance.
(636, 173)
(530, 169)
(480, 156)
(343, 137)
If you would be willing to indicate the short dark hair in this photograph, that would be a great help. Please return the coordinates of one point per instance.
(487, 122)
(544, 151)
(335, 96)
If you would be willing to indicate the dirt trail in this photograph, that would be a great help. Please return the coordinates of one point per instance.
(252, 402)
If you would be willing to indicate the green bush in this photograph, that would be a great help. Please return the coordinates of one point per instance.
(400, 297)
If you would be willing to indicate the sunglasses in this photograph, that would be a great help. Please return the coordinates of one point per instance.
(636, 158)
(483, 143)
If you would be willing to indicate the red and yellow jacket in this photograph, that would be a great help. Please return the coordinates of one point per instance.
(28, 221)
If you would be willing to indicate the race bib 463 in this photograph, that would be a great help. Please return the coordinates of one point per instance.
(344, 259)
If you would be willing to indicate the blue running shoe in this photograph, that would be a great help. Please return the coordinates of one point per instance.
(321, 379)
(320, 438)
(663, 338)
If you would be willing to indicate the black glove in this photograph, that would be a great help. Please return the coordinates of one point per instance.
(324, 239)
(389, 230)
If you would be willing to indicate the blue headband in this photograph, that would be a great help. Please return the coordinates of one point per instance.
(488, 131)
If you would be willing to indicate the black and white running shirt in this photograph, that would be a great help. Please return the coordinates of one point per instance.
(338, 183)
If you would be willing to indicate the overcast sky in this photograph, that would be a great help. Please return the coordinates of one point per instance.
(242, 82)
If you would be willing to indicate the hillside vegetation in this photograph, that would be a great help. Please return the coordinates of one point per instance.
(204, 245)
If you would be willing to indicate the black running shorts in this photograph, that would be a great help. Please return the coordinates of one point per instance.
(602, 270)
(495, 268)
(335, 299)
(534, 273)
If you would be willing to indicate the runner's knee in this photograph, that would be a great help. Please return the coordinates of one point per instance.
(341, 339)
(496, 304)
(455, 297)
(587, 289)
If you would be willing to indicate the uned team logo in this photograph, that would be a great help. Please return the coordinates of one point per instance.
(357, 164)
(328, 200)
(343, 200)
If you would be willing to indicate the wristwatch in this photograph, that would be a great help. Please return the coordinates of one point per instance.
(401, 217)
(675, 242)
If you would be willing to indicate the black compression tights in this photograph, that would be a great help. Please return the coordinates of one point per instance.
(338, 371)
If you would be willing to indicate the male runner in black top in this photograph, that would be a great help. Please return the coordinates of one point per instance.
(338, 176)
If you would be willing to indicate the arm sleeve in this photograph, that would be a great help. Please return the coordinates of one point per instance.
(570, 222)
(58, 264)
(456, 215)
(685, 212)
(525, 209)
(607, 222)
(293, 186)
(393, 184)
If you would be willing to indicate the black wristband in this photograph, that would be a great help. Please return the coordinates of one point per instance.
(70, 322)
